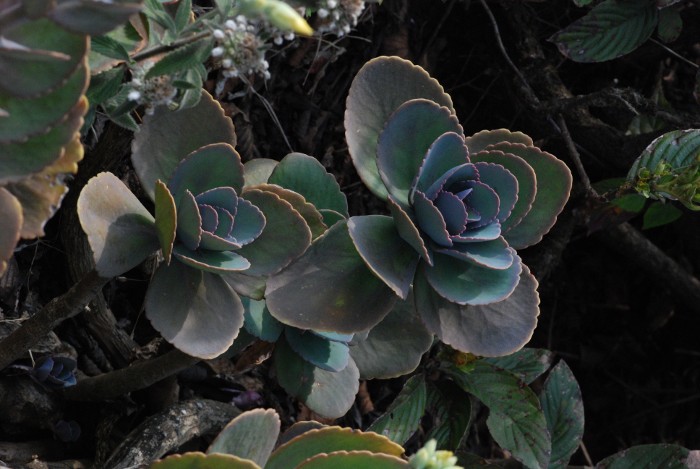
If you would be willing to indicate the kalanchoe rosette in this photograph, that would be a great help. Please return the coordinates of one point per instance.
(460, 207)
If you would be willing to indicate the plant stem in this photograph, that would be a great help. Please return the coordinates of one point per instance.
(51, 315)
(147, 54)
(133, 378)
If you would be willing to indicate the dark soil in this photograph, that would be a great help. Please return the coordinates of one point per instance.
(623, 328)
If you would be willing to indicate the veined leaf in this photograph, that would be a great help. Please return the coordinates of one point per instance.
(182, 58)
(647, 457)
(403, 416)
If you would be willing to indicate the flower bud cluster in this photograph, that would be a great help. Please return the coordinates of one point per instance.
(429, 458)
(339, 16)
(240, 49)
(667, 182)
(151, 92)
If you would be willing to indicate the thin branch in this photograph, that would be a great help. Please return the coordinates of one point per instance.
(674, 53)
(147, 54)
(575, 156)
(51, 315)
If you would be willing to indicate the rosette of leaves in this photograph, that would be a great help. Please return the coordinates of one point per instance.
(460, 207)
(217, 238)
(253, 441)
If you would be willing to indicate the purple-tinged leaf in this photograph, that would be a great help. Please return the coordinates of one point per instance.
(166, 137)
(333, 283)
(194, 310)
(453, 211)
(189, 221)
(211, 261)
(553, 188)
(492, 254)
(480, 140)
(491, 330)
(525, 175)
(430, 220)
(312, 216)
(11, 213)
(445, 153)
(456, 175)
(408, 230)
(483, 199)
(284, 238)
(212, 242)
(464, 282)
(385, 253)
(166, 219)
(504, 183)
(248, 223)
(405, 140)
(120, 230)
(379, 88)
(483, 233)
(223, 197)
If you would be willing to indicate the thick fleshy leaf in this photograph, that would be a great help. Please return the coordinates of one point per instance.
(611, 29)
(311, 215)
(553, 188)
(661, 456)
(208, 167)
(353, 460)
(329, 440)
(430, 220)
(196, 311)
(405, 140)
(323, 353)
(516, 420)
(451, 411)
(251, 435)
(259, 321)
(258, 171)
(453, 212)
(166, 219)
(456, 176)
(120, 230)
(285, 236)
(204, 461)
(252, 286)
(189, 221)
(527, 364)
(37, 56)
(166, 137)
(211, 261)
(298, 429)
(386, 254)
(40, 194)
(334, 336)
(492, 330)
(93, 18)
(32, 116)
(11, 213)
(504, 183)
(402, 418)
(304, 174)
(483, 199)
(492, 254)
(327, 393)
(480, 140)
(525, 175)
(379, 88)
(677, 149)
(21, 160)
(331, 217)
(445, 153)
(464, 282)
(408, 231)
(248, 224)
(329, 288)
(563, 408)
(394, 347)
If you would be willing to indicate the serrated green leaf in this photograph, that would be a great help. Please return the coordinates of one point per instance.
(633, 203)
(403, 416)
(659, 214)
(109, 47)
(563, 408)
(610, 30)
(670, 24)
(516, 420)
(678, 149)
(451, 410)
(105, 85)
(527, 364)
(182, 15)
(648, 457)
(155, 11)
(181, 59)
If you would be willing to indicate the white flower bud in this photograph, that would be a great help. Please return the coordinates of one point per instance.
(219, 34)
(217, 51)
(230, 24)
(322, 12)
(134, 95)
(332, 3)
(226, 63)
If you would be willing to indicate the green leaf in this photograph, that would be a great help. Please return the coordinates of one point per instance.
(105, 85)
(120, 230)
(166, 137)
(329, 440)
(327, 393)
(563, 408)
(251, 435)
(11, 214)
(109, 47)
(385, 253)
(297, 429)
(155, 10)
(582, 3)
(678, 148)
(354, 460)
(374, 95)
(633, 203)
(670, 24)
(196, 311)
(312, 217)
(204, 461)
(259, 321)
(480, 141)
(648, 457)
(451, 410)
(393, 347)
(258, 171)
(182, 15)
(336, 288)
(527, 364)
(166, 219)
(304, 174)
(326, 354)
(610, 30)
(181, 59)
(516, 420)
(660, 213)
(93, 18)
(402, 418)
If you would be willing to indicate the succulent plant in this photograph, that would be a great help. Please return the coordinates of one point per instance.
(250, 441)
(460, 207)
